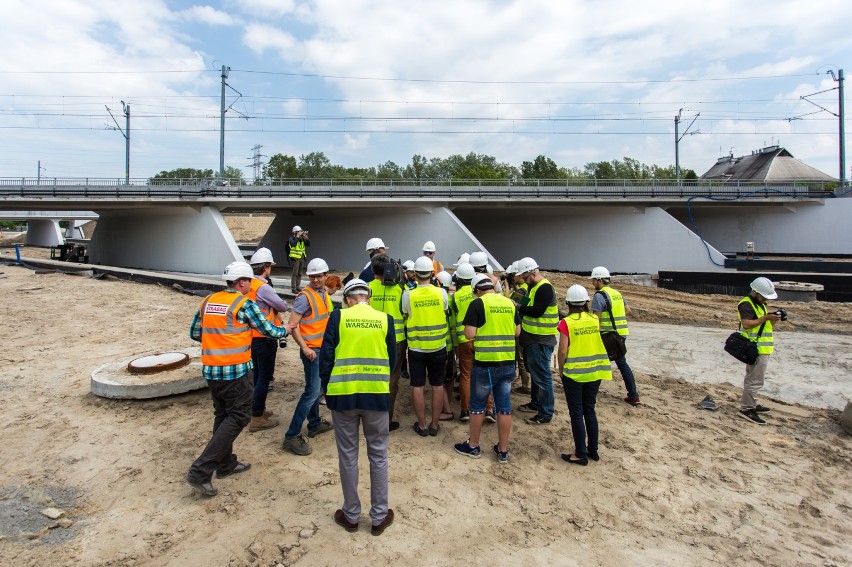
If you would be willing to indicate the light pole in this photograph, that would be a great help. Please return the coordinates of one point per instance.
(679, 138)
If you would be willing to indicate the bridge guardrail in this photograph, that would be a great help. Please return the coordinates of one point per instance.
(110, 188)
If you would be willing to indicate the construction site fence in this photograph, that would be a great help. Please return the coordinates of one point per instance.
(407, 188)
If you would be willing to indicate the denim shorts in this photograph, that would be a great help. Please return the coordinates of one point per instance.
(487, 379)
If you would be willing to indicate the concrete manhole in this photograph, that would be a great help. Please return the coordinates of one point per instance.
(797, 291)
(150, 376)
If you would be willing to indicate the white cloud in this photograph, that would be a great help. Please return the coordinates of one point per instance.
(208, 15)
(262, 37)
(265, 8)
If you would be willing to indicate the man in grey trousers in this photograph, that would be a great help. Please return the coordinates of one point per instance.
(358, 352)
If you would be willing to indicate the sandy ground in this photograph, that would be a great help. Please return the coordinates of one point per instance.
(676, 485)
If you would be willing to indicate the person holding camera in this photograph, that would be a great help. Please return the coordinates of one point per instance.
(756, 324)
(298, 255)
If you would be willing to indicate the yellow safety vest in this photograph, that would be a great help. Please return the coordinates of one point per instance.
(766, 341)
(297, 252)
(495, 340)
(387, 299)
(461, 299)
(426, 325)
(586, 360)
(361, 363)
(546, 324)
(618, 311)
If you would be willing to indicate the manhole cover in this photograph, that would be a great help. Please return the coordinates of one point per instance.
(158, 362)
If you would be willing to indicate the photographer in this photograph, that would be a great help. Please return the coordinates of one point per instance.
(298, 255)
(756, 324)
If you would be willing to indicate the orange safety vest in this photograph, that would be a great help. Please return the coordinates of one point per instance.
(268, 312)
(313, 328)
(224, 340)
(437, 267)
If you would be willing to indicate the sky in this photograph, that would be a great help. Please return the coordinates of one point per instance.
(371, 81)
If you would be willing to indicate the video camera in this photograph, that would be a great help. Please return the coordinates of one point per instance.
(394, 274)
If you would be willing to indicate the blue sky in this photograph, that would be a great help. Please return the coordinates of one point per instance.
(367, 81)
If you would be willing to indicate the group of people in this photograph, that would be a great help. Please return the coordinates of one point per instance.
(471, 327)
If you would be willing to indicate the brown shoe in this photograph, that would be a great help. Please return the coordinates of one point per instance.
(378, 529)
(340, 520)
(261, 422)
(267, 413)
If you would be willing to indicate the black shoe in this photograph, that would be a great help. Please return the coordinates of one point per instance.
(752, 416)
(490, 417)
(567, 458)
(761, 409)
(420, 431)
(393, 426)
(240, 467)
(404, 375)
(340, 520)
(527, 408)
(433, 431)
(594, 456)
(464, 416)
(205, 488)
(538, 420)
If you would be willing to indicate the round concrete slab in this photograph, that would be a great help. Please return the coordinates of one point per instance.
(155, 363)
(113, 380)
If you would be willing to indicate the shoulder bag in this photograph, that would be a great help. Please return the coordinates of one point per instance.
(612, 340)
(741, 348)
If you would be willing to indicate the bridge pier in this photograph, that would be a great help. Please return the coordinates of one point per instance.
(43, 232)
(175, 239)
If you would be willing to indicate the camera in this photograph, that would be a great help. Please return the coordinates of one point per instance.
(782, 313)
(282, 342)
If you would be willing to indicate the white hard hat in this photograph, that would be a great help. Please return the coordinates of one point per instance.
(482, 281)
(423, 265)
(465, 272)
(428, 246)
(357, 286)
(599, 273)
(262, 256)
(375, 244)
(316, 266)
(463, 259)
(478, 259)
(237, 270)
(513, 268)
(577, 295)
(489, 269)
(526, 265)
(445, 278)
(297, 228)
(408, 265)
(764, 287)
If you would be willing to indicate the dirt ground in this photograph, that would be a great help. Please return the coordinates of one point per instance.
(676, 485)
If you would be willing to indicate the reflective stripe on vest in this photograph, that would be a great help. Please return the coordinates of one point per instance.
(618, 311)
(766, 341)
(495, 340)
(268, 312)
(462, 299)
(224, 340)
(586, 360)
(546, 324)
(298, 251)
(426, 326)
(387, 299)
(313, 328)
(361, 363)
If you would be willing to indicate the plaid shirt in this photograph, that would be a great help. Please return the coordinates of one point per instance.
(249, 314)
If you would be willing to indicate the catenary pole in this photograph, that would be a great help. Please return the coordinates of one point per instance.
(842, 129)
(225, 70)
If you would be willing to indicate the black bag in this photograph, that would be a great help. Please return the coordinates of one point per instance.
(741, 347)
(614, 345)
(613, 342)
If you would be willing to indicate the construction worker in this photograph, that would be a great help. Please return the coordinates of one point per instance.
(583, 363)
(429, 252)
(308, 318)
(756, 324)
(425, 311)
(491, 323)
(263, 348)
(223, 324)
(374, 246)
(479, 261)
(410, 276)
(515, 289)
(445, 281)
(358, 351)
(298, 256)
(605, 302)
(539, 317)
(388, 299)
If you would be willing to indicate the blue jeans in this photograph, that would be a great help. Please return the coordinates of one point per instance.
(581, 397)
(487, 379)
(263, 351)
(627, 376)
(308, 404)
(537, 360)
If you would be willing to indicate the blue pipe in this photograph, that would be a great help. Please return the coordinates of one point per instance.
(18, 253)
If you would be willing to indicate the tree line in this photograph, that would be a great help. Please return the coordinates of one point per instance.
(316, 165)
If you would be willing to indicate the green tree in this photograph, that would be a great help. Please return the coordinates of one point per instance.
(234, 175)
(185, 173)
(314, 165)
(281, 166)
(540, 168)
(388, 170)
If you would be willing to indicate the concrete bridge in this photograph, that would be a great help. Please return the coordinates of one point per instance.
(631, 226)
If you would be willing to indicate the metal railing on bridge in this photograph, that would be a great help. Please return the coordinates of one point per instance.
(112, 188)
